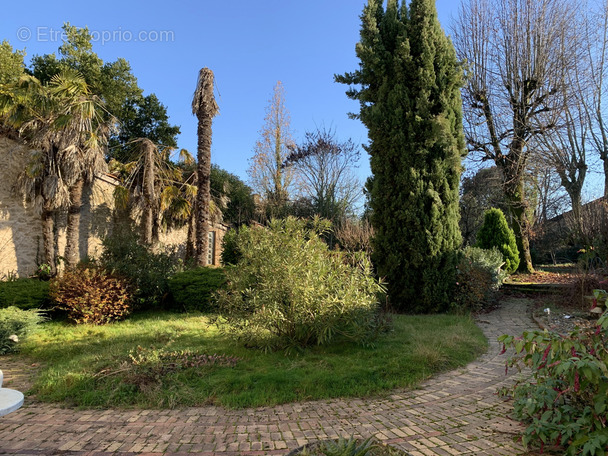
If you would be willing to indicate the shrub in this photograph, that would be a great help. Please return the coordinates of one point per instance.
(289, 290)
(478, 275)
(230, 248)
(192, 290)
(355, 235)
(495, 232)
(24, 294)
(16, 325)
(91, 295)
(566, 402)
(148, 273)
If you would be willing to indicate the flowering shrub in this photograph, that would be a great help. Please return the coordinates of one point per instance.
(15, 325)
(566, 404)
(289, 290)
(91, 295)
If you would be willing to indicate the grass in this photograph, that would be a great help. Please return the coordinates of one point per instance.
(90, 366)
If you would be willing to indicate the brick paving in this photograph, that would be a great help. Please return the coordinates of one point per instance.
(456, 413)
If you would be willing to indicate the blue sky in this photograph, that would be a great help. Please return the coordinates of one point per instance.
(248, 44)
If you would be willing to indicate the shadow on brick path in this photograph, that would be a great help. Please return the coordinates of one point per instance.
(456, 413)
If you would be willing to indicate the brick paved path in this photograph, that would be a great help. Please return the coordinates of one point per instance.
(456, 413)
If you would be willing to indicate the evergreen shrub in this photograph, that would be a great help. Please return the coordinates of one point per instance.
(15, 325)
(24, 294)
(193, 290)
(146, 271)
(495, 232)
(479, 274)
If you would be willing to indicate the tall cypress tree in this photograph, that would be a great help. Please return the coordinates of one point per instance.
(408, 86)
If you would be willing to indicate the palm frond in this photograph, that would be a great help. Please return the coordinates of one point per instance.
(121, 197)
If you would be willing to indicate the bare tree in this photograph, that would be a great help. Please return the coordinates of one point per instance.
(267, 175)
(326, 173)
(564, 151)
(596, 64)
(517, 54)
(548, 196)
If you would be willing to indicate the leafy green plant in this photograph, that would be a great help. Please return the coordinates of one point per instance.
(478, 275)
(91, 295)
(193, 289)
(495, 232)
(230, 248)
(566, 403)
(147, 272)
(289, 290)
(347, 447)
(44, 272)
(16, 325)
(600, 300)
(24, 294)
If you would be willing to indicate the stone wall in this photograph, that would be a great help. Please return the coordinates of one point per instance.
(21, 249)
(20, 226)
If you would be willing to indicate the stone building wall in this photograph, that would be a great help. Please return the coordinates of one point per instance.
(21, 249)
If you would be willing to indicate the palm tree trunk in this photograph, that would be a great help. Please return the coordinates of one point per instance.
(73, 229)
(48, 240)
(191, 240)
(148, 193)
(203, 195)
(205, 108)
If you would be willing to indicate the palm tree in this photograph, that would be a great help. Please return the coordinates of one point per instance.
(62, 121)
(156, 188)
(205, 109)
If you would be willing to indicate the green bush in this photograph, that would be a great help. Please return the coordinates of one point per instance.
(193, 289)
(289, 290)
(24, 294)
(495, 232)
(566, 401)
(89, 294)
(148, 273)
(478, 275)
(16, 325)
(230, 248)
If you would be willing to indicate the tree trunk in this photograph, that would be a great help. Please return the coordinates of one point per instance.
(520, 224)
(605, 163)
(203, 195)
(191, 240)
(574, 192)
(73, 229)
(148, 193)
(48, 239)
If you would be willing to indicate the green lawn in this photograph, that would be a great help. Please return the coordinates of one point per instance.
(91, 365)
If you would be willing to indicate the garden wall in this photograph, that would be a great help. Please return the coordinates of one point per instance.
(21, 249)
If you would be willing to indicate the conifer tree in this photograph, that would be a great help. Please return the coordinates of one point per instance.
(408, 87)
(495, 232)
